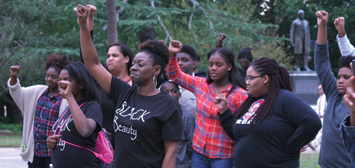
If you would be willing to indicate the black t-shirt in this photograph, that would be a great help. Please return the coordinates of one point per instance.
(65, 155)
(201, 74)
(108, 111)
(277, 140)
(141, 124)
(242, 72)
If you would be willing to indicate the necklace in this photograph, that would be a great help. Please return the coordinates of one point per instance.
(127, 80)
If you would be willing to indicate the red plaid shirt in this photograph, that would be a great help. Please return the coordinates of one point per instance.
(209, 137)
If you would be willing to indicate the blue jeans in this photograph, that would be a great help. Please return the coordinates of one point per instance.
(202, 161)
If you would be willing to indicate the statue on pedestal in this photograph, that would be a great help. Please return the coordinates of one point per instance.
(300, 40)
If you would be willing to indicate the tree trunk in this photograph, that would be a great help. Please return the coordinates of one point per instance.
(112, 35)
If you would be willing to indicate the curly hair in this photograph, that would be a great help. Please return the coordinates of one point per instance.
(56, 61)
(158, 51)
(345, 61)
(189, 50)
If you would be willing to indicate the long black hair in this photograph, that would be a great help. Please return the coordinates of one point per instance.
(234, 76)
(126, 52)
(279, 79)
(81, 74)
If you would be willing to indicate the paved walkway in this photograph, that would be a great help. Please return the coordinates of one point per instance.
(10, 158)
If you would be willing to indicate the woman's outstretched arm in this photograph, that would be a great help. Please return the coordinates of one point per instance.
(91, 58)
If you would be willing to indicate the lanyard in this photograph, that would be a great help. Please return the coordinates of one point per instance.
(127, 80)
(60, 130)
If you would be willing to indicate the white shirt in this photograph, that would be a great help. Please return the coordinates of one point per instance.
(321, 105)
(346, 48)
(188, 100)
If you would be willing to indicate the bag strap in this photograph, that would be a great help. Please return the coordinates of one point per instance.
(96, 154)
(78, 146)
(101, 156)
(60, 130)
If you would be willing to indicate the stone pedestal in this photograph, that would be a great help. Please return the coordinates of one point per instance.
(305, 85)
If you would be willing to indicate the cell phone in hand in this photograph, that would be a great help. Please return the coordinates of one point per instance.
(353, 66)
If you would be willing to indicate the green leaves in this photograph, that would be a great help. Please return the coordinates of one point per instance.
(31, 30)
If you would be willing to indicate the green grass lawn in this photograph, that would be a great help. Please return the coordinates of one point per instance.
(10, 140)
(10, 135)
(309, 160)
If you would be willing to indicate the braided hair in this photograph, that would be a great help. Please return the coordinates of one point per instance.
(279, 79)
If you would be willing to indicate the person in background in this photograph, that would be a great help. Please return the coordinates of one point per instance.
(321, 102)
(333, 152)
(196, 71)
(40, 105)
(212, 146)
(347, 127)
(346, 48)
(321, 105)
(183, 158)
(245, 58)
(273, 124)
(80, 124)
(147, 122)
(187, 59)
(118, 62)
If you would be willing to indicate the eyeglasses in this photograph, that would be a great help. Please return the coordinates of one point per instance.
(249, 78)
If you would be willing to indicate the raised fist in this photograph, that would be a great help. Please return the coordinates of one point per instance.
(222, 36)
(14, 70)
(92, 10)
(82, 13)
(340, 26)
(175, 46)
(322, 18)
(64, 88)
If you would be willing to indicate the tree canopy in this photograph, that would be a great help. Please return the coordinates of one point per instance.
(283, 12)
(31, 30)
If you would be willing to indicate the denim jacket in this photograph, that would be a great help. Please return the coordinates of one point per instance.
(348, 135)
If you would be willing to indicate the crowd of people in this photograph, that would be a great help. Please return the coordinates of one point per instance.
(223, 118)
